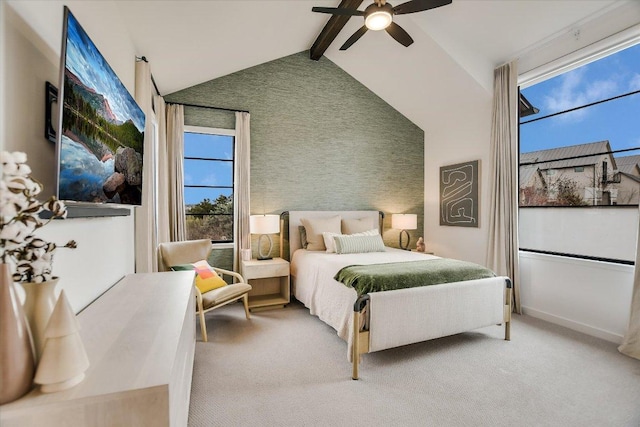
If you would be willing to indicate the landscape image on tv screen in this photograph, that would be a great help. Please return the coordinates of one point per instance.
(102, 132)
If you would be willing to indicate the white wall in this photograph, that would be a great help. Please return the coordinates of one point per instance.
(587, 296)
(608, 232)
(32, 37)
(617, 25)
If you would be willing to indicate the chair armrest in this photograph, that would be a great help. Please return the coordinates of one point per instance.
(230, 273)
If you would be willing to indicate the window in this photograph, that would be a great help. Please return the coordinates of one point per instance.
(580, 149)
(208, 183)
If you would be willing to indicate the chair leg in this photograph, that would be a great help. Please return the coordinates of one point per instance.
(203, 327)
(245, 302)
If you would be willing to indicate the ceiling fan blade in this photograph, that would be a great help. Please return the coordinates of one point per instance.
(338, 11)
(354, 38)
(399, 34)
(418, 6)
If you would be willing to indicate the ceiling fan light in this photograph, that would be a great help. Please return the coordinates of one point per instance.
(378, 20)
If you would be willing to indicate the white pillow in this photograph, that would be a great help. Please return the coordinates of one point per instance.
(315, 227)
(372, 232)
(354, 244)
(353, 226)
(329, 243)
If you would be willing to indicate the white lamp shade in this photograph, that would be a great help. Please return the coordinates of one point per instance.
(404, 221)
(264, 224)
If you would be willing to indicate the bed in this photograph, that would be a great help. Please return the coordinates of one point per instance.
(381, 320)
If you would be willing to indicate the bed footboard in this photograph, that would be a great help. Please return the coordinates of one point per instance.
(361, 333)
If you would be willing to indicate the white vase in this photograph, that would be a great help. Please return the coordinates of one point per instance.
(17, 365)
(38, 306)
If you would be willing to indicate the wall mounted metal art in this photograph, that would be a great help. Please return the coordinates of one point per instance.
(459, 203)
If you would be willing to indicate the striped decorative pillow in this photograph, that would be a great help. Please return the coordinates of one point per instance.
(351, 244)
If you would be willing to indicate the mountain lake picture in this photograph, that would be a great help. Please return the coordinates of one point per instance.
(102, 136)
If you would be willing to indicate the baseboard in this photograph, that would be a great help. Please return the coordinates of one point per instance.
(572, 324)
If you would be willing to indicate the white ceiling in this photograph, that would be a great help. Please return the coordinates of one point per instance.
(190, 42)
(448, 68)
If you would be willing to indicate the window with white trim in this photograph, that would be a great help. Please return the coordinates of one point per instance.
(209, 184)
(580, 149)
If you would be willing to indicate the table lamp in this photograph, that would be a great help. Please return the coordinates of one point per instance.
(264, 225)
(404, 222)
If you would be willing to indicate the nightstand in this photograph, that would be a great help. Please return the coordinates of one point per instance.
(425, 252)
(270, 282)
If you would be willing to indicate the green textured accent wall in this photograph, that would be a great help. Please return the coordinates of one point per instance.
(320, 140)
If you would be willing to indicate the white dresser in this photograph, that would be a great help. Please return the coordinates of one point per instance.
(140, 340)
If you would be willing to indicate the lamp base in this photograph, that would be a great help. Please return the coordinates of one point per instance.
(404, 246)
(261, 255)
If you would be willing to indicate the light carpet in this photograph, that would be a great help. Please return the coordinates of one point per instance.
(287, 368)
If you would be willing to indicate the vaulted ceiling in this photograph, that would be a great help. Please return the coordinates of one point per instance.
(190, 42)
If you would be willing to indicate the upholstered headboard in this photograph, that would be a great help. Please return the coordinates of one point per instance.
(295, 216)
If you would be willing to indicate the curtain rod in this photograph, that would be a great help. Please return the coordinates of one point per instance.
(209, 107)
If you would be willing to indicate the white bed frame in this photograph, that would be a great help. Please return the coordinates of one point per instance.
(388, 319)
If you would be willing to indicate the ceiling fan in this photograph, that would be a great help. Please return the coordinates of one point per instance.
(379, 16)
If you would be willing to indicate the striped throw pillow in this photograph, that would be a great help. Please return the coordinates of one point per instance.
(350, 244)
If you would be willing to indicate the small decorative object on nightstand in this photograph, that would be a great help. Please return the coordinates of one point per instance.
(264, 225)
(269, 280)
(404, 222)
(420, 245)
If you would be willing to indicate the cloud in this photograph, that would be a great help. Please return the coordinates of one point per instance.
(210, 179)
(634, 84)
(188, 180)
(575, 90)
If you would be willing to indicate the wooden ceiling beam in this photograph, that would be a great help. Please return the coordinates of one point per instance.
(331, 30)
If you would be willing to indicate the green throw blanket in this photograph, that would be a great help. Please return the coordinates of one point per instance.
(397, 275)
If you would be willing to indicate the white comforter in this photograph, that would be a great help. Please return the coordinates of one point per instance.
(330, 300)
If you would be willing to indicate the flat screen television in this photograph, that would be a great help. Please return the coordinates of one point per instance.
(100, 143)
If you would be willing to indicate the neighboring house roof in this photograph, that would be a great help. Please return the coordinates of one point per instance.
(526, 109)
(527, 173)
(587, 154)
(629, 164)
(632, 177)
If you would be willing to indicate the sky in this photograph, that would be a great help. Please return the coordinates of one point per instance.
(617, 121)
(205, 172)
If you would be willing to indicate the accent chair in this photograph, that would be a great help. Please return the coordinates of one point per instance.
(191, 251)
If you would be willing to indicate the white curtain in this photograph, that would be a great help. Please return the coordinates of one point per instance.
(631, 343)
(145, 215)
(163, 175)
(502, 254)
(175, 151)
(242, 179)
